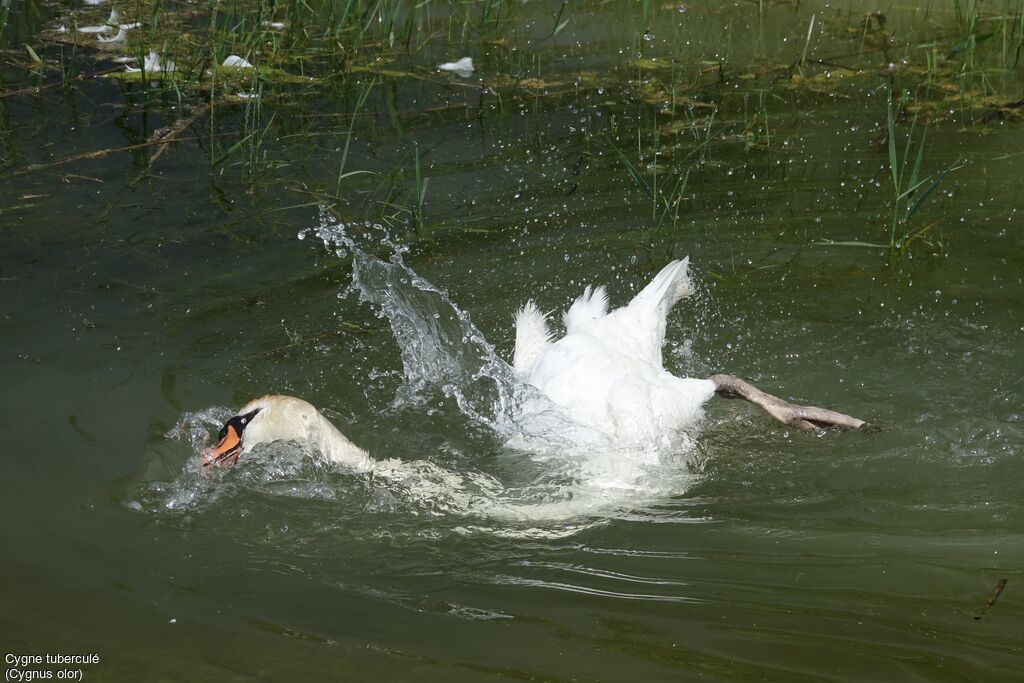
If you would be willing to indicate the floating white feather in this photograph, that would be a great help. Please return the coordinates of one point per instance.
(153, 65)
(236, 62)
(122, 35)
(463, 67)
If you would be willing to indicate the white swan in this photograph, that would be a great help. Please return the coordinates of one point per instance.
(606, 374)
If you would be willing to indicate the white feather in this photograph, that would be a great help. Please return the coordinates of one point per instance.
(532, 337)
(236, 62)
(153, 65)
(587, 309)
(112, 25)
(122, 35)
(606, 373)
(463, 67)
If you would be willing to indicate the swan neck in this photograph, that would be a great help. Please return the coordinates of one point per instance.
(333, 444)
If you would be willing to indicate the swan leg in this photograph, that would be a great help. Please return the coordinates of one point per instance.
(804, 417)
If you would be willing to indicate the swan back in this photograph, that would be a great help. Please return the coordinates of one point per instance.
(606, 372)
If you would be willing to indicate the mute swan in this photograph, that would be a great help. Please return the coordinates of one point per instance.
(606, 373)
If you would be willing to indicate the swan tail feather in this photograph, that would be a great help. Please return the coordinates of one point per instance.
(532, 337)
(666, 289)
(643, 320)
(591, 306)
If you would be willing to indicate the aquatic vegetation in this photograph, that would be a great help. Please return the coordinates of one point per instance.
(420, 195)
(910, 191)
(671, 111)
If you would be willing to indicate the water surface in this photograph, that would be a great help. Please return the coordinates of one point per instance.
(143, 303)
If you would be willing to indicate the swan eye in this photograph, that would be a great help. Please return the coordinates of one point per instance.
(238, 422)
(243, 420)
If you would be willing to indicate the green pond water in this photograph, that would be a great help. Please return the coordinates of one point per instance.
(144, 299)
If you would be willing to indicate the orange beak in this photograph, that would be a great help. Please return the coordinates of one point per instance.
(226, 452)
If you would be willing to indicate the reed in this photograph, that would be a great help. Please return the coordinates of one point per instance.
(5, 14)
(910, 191)
(420, 194)
(666, 198)
(364, 93)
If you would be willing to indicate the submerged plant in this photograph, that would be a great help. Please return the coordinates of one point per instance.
(364, 93)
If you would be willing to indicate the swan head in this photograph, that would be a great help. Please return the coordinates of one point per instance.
(263, 420)
(284, 418)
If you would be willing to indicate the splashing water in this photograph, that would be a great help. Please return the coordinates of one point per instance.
(442, 350)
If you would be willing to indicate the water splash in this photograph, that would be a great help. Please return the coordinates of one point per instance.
(442, 350)
(165, 485)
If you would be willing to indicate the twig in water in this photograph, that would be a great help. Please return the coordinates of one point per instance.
(100, 153)
(95, 154)
(32, 90)
(991, 599)
(165, 140)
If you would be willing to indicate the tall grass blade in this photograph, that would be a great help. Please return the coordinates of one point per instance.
(958, 164)
(348, 137)
(891, 130)
(559, 24)
(633, 171)
(851, 243)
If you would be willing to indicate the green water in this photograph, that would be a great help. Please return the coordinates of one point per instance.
(135, 301)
